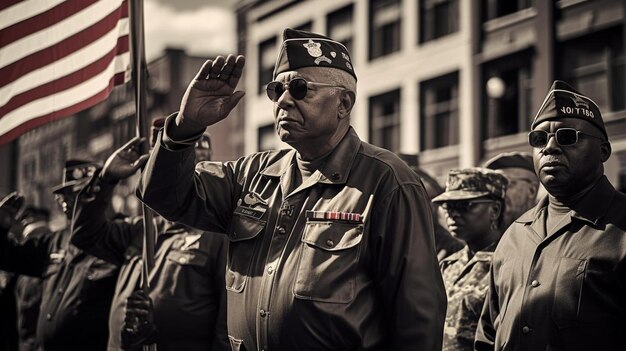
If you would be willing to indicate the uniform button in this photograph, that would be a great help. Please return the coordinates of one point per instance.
(525, 330)
(270, 270)
(281, 230)
(335, 176)
(49, 316)
(60, 291)
(330, 243)
(262, 313)
(182, 260)
(534, 283)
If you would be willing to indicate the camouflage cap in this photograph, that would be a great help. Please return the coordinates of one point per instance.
(563, 101)
(472, 183)
(307, 49)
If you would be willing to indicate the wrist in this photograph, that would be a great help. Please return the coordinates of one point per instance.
(183, 129)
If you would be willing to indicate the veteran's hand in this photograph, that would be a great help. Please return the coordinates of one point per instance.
(209, 97)
(11, 208)
(138, 328)
(124, 162)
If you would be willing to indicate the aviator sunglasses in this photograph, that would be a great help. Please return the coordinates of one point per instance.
(564, 137)
(298, 87)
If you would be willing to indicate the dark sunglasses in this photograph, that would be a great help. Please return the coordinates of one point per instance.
(298, 87)
(462, 206)
(564, 137)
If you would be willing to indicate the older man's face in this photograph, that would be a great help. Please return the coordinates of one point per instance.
(565, 170)
(313, 117)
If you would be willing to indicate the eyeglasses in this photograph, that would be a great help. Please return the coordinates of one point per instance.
(298, 87)
(564, 137)
(462, 206)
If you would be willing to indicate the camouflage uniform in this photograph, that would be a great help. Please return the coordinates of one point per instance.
(466, 279)
(466, 274)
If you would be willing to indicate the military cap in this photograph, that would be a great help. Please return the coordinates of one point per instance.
(306, 49)
(75, 174)
(204, 142)
(472, 183)
(563, 101)
(157, 125)
(513, 159)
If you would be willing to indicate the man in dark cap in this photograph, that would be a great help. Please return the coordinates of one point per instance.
(185, 307)
(558, 280)
(77, 288)
(331, 244)
(521, 193)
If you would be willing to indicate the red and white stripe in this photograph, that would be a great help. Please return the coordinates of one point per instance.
(58, 58)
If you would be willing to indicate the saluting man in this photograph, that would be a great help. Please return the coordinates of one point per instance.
(77, 287)
(558, 279)
(331, 242)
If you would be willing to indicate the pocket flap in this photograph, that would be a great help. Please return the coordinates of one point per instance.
(244, 228)
(332, 236)
(188, 258)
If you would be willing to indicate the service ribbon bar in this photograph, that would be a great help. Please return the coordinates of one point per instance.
(331, 215)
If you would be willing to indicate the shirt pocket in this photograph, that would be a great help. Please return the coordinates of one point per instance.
(568, 289)
(99, 269)
(241, 250)
(328, 263)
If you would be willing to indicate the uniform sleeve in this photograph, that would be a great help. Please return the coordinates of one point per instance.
(28, 257)
(199, 197)
(406, 270)
(93, 233)
(485, 331)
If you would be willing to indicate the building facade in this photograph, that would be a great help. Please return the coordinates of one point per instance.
(449, 83)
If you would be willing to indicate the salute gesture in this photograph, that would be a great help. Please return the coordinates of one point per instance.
(211, 95)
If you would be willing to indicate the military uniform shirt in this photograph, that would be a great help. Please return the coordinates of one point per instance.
(343, 261)
(564, 289)
(77, 289)
(466, 279)
(186, 282)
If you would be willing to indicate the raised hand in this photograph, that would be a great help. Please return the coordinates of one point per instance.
(124, 162)
(211, 95)
(11, 208)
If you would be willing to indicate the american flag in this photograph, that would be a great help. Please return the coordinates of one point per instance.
(58, 58)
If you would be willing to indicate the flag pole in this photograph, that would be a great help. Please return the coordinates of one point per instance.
(139, 78)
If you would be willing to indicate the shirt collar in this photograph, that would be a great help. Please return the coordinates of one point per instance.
(587, 209)
(336, 168)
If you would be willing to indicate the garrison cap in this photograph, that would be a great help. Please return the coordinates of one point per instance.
(307, 49)
(472, 183)
(513, 159)
(563, 101)
(76, 174)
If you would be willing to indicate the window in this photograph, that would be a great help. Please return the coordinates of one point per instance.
(266, 138)
(267, 61)
(340, 27)
(385, 23)
(498, 8)
(438, 18)
(439, 101)
(507, 99)
(384, 115)
(594, 65)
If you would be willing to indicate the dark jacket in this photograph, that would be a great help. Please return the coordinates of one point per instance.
(77, 289)
(187, 280)
(563, 290)
(344, 261)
